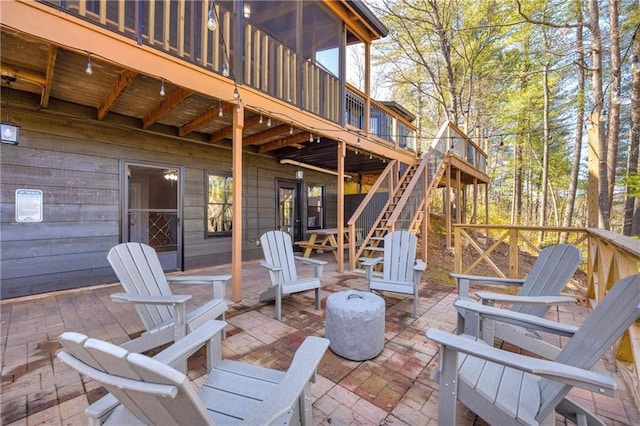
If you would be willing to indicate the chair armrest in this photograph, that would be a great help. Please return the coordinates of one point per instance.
(290, 389)
(270, 267)
(474, 312)
(464, 281)
(420, 266)
(310, 261)
(216, 280)
(100, 410)
(177, 354)
(318, 265)
(487, 296)
(564, 373)
(150, 299)
(368, 264)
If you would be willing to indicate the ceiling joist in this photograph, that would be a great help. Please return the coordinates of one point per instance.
(173, 100)
(267, 134)
(227, 132)
(51, 64)
(125, 79)
(291, 140)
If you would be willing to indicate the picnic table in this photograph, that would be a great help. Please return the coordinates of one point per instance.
(323, 239)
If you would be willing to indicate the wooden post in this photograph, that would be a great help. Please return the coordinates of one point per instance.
(593, 181)
(447, 205)
(342, 152)
(236, 234)
(425, 214)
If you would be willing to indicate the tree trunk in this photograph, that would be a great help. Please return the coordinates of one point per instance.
(632, 204)
(614, 109)
(577, 150)
(598, 99)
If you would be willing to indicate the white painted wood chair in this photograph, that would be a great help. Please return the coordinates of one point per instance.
(146, 390)
(401, 271)
(163, 314)
(540, 290)
(511, 389)
(279, 260)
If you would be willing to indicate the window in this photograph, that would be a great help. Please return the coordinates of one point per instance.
(219, 205)
(315, 206)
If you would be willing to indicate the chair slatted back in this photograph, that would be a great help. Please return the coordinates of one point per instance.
(549, 275)
(399, 256)
(139, 271)
(610, 318)
(152, 391)
(277, 248)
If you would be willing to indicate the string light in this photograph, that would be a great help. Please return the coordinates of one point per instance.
(211, 23)
(269, 122)
(635, 64)
(310, 137)
(236, 94)
(89, 69)
(318, 138)
(225, 70)
(615, 98)
(220, 113)
(162, 92)
(291, 130)
(261, 119)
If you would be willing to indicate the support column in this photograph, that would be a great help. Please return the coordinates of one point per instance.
(342, 152)
(236, 234)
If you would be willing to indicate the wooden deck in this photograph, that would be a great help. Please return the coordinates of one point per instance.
(392, 389)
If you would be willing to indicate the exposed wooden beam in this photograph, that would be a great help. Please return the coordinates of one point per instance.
(125, 79)
(203, 119)
(29, 76)
(291, 140)
(165, 106)
(270, 133)
(227, 132)
(51, 64)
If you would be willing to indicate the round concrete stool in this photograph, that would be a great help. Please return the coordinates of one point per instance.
(354, 324)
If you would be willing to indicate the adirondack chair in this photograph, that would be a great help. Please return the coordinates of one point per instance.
(401, 271)
(540, 290)
(279, 260)
(149, 390)
(163, 314)
(507, 388)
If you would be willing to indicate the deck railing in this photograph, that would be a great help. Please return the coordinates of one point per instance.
(608, 256)
(179, 28)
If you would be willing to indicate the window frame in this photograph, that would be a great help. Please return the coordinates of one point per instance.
(322, 208)
(225, 205)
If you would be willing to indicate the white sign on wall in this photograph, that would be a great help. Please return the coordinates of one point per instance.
(28, 205)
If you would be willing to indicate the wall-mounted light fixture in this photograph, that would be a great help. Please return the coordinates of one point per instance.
(8, 131)
(171, 175)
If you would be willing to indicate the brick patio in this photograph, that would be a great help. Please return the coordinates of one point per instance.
(392, 389)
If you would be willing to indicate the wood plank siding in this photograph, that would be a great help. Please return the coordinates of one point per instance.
(76, 163)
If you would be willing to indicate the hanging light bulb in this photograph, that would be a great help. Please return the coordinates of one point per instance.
(358, 142)
(318, 139)
(291, 130)
(370, 156)
(310, 137)
(603, 116)
(236, 94)
(162, 92)
(269, 122)
(615, 97)
(225, 70)
(220, 113)
(211, 23)
(635, 64)
(89, 69)
(261, 119)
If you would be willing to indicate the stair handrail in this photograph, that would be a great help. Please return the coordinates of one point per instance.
(407, 192)
(387, 173)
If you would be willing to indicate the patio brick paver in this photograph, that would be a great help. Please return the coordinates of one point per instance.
(394, 388)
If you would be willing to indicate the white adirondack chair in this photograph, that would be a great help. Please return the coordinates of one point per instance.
(401, 271)
(511, 389)
(146, 390)
(279, 260)
(163, 314)
(540, 290)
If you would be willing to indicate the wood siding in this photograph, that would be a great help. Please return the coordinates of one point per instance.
(76, 163)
